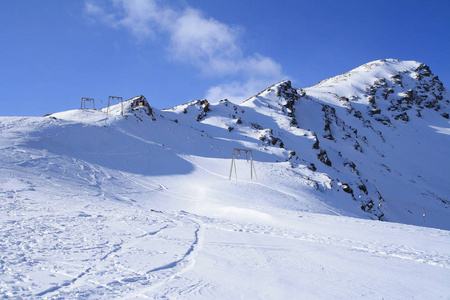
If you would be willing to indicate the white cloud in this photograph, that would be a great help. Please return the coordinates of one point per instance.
(144, 18)
(259, 73)
(195, 38)
(211, 46)
(234, 91)
(98, 13)
(93, 9)
(238, 91)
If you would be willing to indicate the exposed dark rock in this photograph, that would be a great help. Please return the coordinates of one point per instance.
(329, 118)
(256, 126)
(205, 104)
(357, 147)
(383, 119)
(367, 206)
(363, 188)
(294, 122)
(316, 143)
(312, 167)
(289, 96)
(358, 114)
(225, 102)
(268, 137)
(329, 137)
(323, 157)
(140, 102)
(292, 156)
(352, 167)
(374, 112)
(346, 188)
(204, 108)
(286, 91)
(423, 70)
(301, 92)
(403, 117)
(397, 79)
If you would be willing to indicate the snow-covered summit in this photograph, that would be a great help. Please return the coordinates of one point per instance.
(367, 73)
(387, 76)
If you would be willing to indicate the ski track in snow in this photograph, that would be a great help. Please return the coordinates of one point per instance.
(176, 268)
(70, 287)
(143, 184)
(160, 279)
(104, 274)
(104, 252)
(377, 248)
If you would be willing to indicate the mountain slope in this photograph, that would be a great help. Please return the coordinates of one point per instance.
(393, 115)
(98, 205)
(378, 133)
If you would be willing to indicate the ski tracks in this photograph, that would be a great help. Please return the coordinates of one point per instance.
(165, 274)
(171, 251)
(376, 248)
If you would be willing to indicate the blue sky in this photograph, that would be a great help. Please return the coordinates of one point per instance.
(55, 52)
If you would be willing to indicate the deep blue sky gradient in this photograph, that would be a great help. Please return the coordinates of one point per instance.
(52, 53)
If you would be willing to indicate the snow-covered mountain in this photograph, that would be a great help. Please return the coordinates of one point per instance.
(375, 138)
(99, 204)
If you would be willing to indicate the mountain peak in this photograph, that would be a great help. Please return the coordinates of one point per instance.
(383, 68)
(388, 80)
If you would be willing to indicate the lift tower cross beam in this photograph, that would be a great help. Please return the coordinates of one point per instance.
(84, 100)
(233, 162)
(114, 98)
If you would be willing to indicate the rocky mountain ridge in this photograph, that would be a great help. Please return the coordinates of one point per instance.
(351, 130)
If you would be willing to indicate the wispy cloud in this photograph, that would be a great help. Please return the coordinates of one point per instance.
(99, 13)
(204, 42)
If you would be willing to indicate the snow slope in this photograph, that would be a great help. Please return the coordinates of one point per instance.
(141, 206)
(376, 138)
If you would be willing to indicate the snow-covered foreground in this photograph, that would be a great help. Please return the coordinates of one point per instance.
(92, 208)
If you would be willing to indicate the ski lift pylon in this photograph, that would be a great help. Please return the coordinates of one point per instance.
(114, 98)
(233, 162)
(84, 100)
